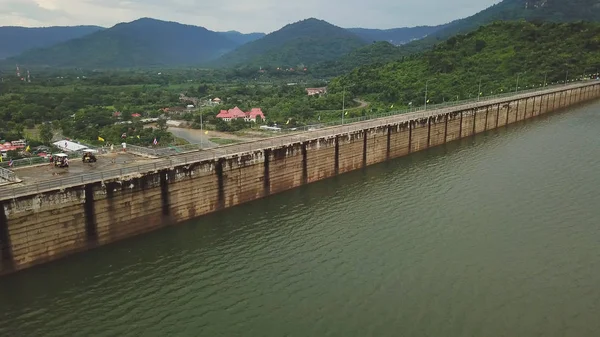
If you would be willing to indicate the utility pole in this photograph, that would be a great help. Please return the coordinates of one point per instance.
(343, 104)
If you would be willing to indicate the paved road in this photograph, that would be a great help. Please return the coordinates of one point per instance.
(182, 159)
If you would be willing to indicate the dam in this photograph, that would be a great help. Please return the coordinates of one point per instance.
(49, 220)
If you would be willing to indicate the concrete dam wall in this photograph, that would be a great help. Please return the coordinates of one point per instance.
(46, 225)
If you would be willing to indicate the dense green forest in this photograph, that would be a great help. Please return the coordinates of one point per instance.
(494, 55)
(512, 10)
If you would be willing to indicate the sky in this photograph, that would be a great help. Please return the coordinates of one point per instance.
(242, 15)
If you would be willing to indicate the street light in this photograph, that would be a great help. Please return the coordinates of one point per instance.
(426, 86)
(344, 101)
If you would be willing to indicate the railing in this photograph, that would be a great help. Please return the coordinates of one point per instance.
(228, 150)
(7, 175)
(156, 152)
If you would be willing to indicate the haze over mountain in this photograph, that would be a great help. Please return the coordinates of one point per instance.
(302, 43)
(141, 43)
(15, 40)
(240, 38)
(395, 36)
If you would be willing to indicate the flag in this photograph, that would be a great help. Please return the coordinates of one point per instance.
(100, 139)
(288, 122)
(392, 106)
(27, 149)
(10, 163)
(427, 101)
(346, 113)
(155, 142)
(138, 136)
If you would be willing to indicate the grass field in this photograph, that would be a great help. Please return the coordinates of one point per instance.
(224, 141)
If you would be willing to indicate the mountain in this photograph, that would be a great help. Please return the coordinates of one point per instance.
(240, 38)
(494, 55)
(142, 43)
(529, 10)
(395, 36)
(15, 40)
(305, 42)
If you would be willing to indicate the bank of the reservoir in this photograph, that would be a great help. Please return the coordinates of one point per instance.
(47, 224)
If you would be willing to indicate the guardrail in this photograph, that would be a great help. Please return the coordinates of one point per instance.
(7, 175)
(227, 150)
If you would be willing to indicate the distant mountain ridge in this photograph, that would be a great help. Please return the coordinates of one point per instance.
(15, 40)
(301, 43)
(395, 36)
(144, 42)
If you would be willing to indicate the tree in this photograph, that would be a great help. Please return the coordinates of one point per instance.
(162, 124)
(46, 133)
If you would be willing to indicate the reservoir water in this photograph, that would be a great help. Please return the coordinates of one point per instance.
(496, 235)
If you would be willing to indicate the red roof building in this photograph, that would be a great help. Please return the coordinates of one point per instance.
(236, 112)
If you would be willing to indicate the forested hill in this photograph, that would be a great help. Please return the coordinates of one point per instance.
(306, 42)
(377, 52)
(494, 54)
(141, 43)
(15, 40)
(530, 10)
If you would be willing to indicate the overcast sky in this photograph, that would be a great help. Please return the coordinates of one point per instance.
(241, 15)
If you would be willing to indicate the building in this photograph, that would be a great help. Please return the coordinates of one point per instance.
(316, 91)
(235, 113)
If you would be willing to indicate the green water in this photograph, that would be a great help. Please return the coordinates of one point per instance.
(497, 235)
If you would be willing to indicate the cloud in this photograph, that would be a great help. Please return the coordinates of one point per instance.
(241, 15)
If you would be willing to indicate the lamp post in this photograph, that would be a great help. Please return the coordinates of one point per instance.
(479, 92)
(426, 86)
(201, 133)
